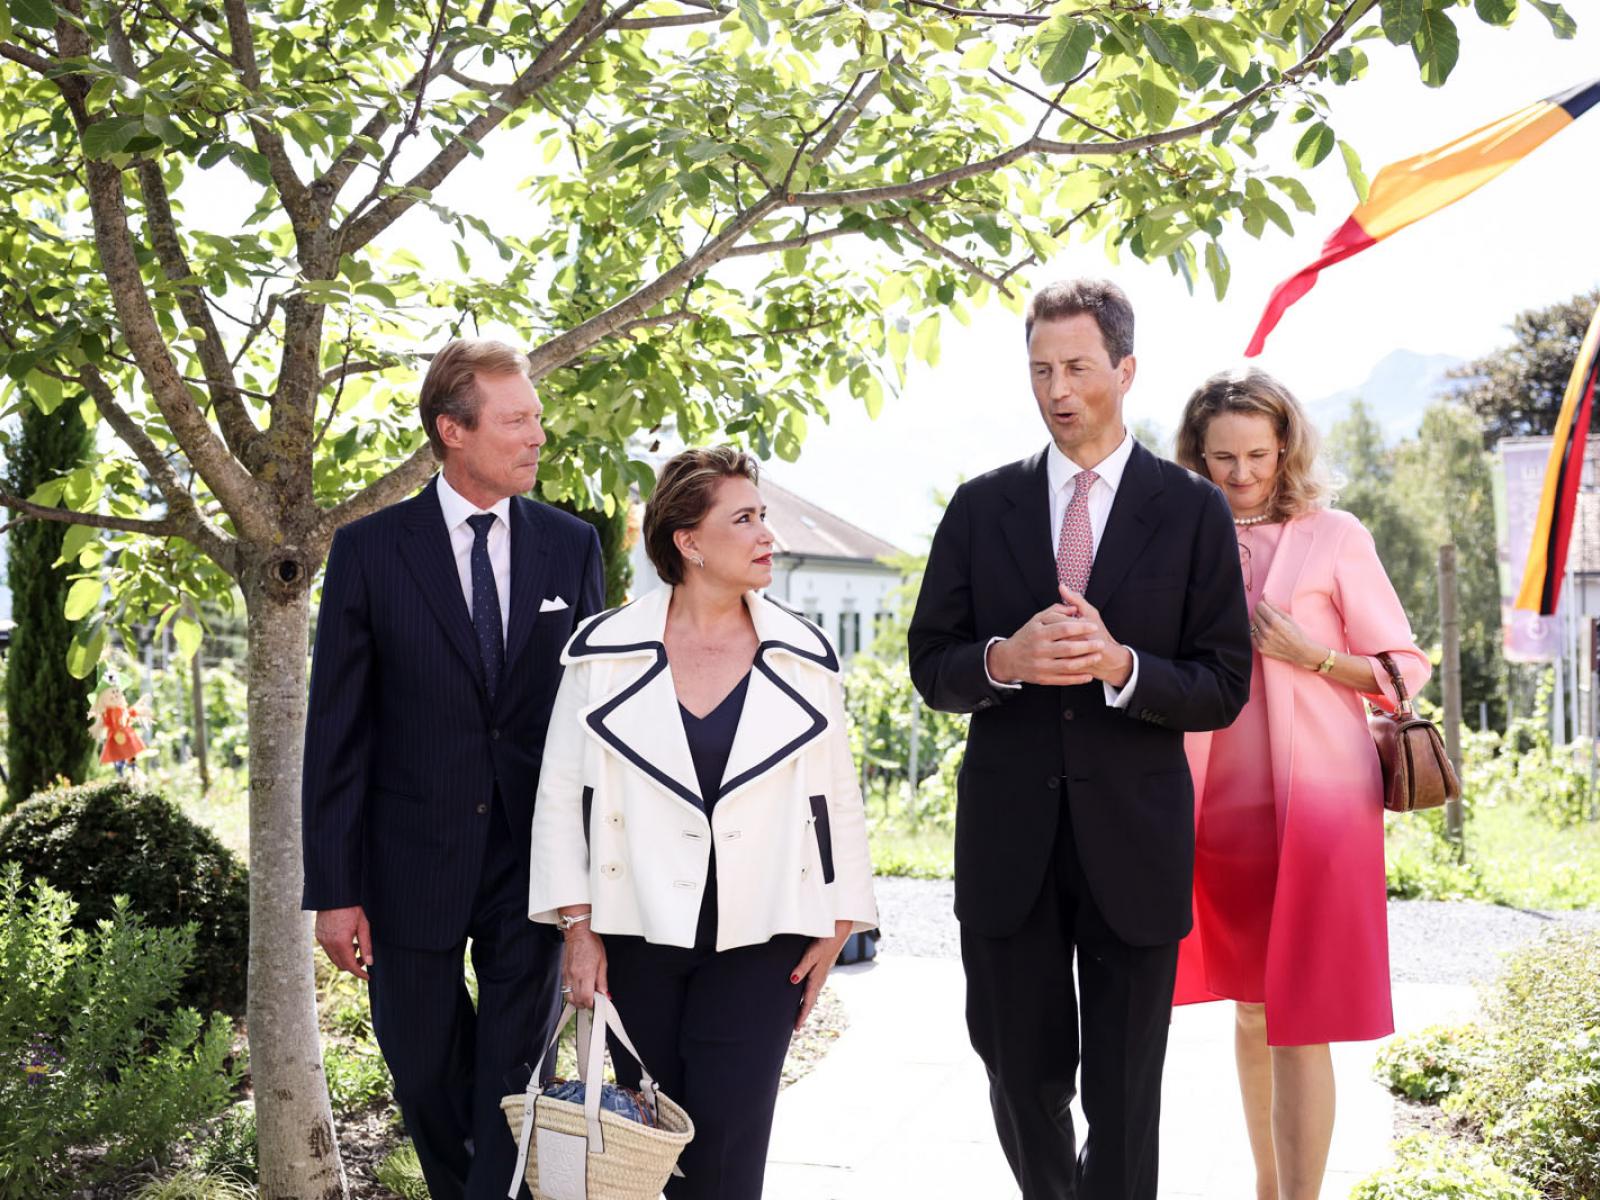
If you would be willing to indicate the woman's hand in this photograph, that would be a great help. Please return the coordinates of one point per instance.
(814, 967)
(583, 966)
(1277, 636)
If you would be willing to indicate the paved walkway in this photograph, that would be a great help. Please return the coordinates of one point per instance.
(837, 1137)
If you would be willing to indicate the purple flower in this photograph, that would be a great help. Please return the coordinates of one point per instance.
(40, 1060)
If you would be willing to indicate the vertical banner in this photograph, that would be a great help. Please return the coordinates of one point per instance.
(1528, 637)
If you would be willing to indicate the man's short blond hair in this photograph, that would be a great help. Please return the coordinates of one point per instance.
(451, 385)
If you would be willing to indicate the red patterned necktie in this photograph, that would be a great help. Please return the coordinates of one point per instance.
(1075, 552)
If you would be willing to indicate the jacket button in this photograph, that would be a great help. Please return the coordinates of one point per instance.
(614, 820)
(482, 808)
(1067, 714)
(804, 872)
(494, 735)
(1052, 783)
(612, 870)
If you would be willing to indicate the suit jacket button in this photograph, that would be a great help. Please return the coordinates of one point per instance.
(614, 820)
(482, 808)
(1067, 714)
(612, 870)
(494, 735)
(1052, 783)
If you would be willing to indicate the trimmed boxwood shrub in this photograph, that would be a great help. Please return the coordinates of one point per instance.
(103, 840)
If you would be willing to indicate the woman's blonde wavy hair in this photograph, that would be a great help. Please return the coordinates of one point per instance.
(1302, 486)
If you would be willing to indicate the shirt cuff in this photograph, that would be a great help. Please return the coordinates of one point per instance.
(993, 682)
(1123, 696)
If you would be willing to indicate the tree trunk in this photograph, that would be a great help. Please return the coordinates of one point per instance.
(299, 1154)
(197, 690)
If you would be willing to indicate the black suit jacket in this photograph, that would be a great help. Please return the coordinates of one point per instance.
(404, 751)
(1166, 581)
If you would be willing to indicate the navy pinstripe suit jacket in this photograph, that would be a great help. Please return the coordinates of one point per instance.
(404, 751)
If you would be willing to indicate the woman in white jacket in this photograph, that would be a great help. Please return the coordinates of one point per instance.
(699, 833)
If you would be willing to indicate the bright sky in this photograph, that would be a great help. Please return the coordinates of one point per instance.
(1448, 285)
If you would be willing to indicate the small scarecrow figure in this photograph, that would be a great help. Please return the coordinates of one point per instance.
(116, 718)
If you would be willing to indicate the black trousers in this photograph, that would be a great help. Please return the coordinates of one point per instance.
(452, 1064)
(714, 1030)
(1024, 1019)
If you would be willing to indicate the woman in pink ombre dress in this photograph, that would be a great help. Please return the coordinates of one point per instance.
(1289, 898)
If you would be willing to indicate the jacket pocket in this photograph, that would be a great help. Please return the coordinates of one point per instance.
(588, 811)
(819, 819)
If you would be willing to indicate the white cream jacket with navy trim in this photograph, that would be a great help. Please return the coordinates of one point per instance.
(619, 823)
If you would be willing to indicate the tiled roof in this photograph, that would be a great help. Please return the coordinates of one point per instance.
(803, 528)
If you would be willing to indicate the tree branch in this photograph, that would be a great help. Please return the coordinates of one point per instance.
(1055, 105)
(791, 243)
(392, 488)
(238, 429)
(591, 24)
(1037, 145)
(27, 58)
(999, 18)
(165, 527)
(296, 198)
(204, 43)
(857, 106)
(938, 248)
(674, 22)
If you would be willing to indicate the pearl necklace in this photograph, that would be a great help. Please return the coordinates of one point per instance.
(1244, 522)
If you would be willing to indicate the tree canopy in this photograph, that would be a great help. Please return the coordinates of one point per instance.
(1516, 391)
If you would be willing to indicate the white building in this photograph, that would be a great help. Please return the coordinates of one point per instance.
(823, 566)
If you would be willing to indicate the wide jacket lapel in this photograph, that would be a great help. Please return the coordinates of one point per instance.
(778, 722)
(530, 554)
(1026, 526)
(1128, 527)
(638, 720)
(427, 554)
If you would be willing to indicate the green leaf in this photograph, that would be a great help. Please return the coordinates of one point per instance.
(750, 13)
(83, 597)
(925, 342)
(1218, 267)
(1496, 12)
(1437, 47)
(1401, 20)
(45, 391)
(1352, 168)
(1561, 21)
(1171, 46)
(83, 655)
(75, 540)
(39, 14)
(978, 57)
(110, 136)
(1066, 53)
(1160, 103)
(187, 632)
(1315, 144)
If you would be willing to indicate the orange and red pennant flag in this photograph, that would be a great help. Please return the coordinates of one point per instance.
(1404, 192)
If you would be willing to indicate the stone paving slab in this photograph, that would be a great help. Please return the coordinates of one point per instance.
(899, 1108)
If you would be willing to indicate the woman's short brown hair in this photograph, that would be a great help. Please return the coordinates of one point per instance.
(1301, 486)
(451, 385)
(685, 490)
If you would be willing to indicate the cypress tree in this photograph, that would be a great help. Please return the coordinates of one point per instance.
(47, 709)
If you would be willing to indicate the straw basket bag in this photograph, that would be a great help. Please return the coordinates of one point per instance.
(579, 1152)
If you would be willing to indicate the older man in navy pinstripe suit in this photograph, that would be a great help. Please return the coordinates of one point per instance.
(438, 653)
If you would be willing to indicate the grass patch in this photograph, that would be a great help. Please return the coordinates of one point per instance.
(195, 1184)
(927, 852)
(401, 1173)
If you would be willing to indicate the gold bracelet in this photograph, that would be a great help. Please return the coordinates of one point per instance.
(1325, 667)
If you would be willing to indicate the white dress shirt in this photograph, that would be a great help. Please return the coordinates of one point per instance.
(1062, 473)
(456, 511)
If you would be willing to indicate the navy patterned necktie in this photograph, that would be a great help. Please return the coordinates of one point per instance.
(486, 604)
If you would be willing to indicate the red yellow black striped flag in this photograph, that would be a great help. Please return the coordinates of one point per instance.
(1552, 531)
(1404, 192)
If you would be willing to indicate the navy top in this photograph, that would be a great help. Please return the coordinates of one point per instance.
(710, 744)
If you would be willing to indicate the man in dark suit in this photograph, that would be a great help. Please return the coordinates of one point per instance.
(1075, 819)
(438, 652)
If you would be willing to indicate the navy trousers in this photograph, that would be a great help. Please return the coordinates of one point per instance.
(714, 1030)
(451, 1063)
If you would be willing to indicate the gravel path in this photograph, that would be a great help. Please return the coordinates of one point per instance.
(1430, 941)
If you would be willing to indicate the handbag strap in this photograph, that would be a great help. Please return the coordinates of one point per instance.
(607, 1010)
(530, 1099)
(1405, 709)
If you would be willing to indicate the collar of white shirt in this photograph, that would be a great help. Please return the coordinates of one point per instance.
(1062, 470)
(457, 508)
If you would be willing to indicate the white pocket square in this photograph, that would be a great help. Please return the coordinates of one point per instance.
(553, 604)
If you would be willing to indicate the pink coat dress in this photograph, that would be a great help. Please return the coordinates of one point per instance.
(1325, 976)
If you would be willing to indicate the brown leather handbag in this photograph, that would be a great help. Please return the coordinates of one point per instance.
(1417, 773)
